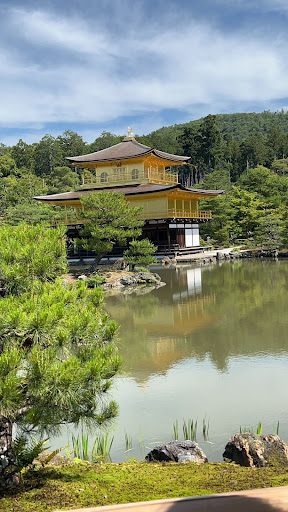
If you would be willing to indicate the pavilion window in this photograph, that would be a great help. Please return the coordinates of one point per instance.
(135, 174)
(103, 177)
(119, 173)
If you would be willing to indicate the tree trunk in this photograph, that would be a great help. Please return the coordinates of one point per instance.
(8, 470)
(96, 262)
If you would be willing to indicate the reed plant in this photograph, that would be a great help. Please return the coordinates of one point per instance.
(101, 447)
(276, 428)
(128, 442)
(189, 428)
(176, 430)
(258, 429)
(205, 429)
(81, 446)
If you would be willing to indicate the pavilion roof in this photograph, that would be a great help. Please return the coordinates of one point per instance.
(127, 149)
(127, 190)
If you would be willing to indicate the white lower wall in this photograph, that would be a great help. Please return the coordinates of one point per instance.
(192, 238)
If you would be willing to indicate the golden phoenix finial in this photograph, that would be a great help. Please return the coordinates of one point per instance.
(130, 132)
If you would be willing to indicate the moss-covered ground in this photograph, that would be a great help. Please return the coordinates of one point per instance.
(83, 485)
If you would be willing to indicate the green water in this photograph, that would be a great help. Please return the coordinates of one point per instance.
(213, 344)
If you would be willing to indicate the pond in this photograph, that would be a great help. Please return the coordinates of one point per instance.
(212, 346)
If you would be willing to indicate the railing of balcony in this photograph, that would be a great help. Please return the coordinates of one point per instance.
(187, 214)
(169, 214)
(153, 176)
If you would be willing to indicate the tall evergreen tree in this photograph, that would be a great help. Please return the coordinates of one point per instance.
(57, 358)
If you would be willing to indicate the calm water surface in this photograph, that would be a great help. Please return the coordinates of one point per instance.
(212, 343)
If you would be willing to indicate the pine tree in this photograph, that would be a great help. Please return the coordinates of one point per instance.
(57, 356)
(140, 252)
(109, 220)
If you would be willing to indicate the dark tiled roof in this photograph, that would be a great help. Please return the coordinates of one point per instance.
(125, 150)
(127, 190)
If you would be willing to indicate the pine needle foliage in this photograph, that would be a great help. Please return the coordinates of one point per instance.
(57, 355)
(140, 252)
(109, 220)
(29, 253)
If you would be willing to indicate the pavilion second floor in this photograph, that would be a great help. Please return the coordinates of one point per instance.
(128, 173)
(156, 201)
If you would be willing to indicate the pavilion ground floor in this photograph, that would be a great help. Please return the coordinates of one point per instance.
(170, 236)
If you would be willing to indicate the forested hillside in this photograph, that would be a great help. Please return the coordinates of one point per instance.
(244, 154)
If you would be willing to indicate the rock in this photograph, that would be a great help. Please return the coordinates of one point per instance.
(147, 277)
(166, 261)
(83, 277)
(120, 265)
(177, 451)
(251, 450)
(128, 280)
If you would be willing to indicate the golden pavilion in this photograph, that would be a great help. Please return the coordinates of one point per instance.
(169, 210)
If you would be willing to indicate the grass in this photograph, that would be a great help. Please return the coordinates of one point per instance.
(85, 484)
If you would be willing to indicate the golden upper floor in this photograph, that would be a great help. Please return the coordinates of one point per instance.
(128, 162)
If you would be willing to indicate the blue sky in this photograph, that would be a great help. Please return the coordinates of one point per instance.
(95, 65)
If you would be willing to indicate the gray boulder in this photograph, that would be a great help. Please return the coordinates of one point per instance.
(177, 451)
(128, 280)
(251, 450)
(147, 277)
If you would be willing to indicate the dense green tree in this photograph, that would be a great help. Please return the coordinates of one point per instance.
(7, 165)
(280, 166)
(209, 137)
(217, 180)
(220, 229)
(254, 151)
(190, 174)
(70, 144)
(105, 140)
(23, 155)
(56, 357)
(47, 155)
(14, 190)
(3, 149)
(247, 209)
(108, 220)
(276, 141)
(62, 179)
(269, 232)
(32, 213)
(140, 252)
(270, 187)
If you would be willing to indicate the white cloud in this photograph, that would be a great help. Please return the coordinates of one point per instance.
(57, 69)
(280, 6)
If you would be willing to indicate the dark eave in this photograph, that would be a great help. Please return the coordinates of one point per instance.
(125, 150)
(127, 190)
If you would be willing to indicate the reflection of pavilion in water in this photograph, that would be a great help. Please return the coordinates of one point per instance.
(183, 314)
(156, 328)
(232, 313)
